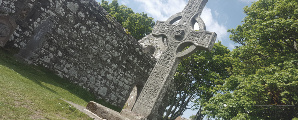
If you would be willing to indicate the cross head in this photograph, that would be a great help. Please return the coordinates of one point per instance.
(181, 40)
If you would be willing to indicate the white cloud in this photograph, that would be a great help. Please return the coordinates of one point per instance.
(163, 9)
(248, 1)
(231, 46)
(213, 25)
(124, 2)
(216, 14)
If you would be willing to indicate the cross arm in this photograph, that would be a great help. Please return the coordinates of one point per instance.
(194, 7)
(196, 40)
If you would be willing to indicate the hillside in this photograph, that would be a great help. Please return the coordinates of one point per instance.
(32, 92)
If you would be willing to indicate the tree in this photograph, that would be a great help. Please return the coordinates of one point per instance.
(264, 73)
(197, 78)
(192, 117)
(137, 24)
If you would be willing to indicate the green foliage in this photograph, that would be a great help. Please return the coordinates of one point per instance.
(137, 24)
(198, 78)
(233, 85)
(270, 24)
(265, 68)
(192, 117)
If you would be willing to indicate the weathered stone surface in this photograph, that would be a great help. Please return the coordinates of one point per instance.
(104, 112)
(132, 116)
(84, 110)
(76, 40)
(7, 27)
(37, 40)
(4, 30)
(131, 100)
(171, 40)
(180, 118)
(107, 113)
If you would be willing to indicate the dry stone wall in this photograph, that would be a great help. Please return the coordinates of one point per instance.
(79, 41)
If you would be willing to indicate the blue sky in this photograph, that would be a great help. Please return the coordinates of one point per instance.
(218, 15)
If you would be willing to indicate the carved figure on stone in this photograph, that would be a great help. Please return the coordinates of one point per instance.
(174, 39)
(7, 27)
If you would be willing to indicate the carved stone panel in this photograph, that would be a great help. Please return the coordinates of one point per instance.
(7, 27)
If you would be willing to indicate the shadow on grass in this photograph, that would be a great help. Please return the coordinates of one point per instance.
(40, 74)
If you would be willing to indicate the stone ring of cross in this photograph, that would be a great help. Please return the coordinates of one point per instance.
(181, 32)
(180, 29)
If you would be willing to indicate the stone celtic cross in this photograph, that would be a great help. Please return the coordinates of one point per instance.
(178, 34)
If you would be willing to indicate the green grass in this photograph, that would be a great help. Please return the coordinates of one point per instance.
(32, 92)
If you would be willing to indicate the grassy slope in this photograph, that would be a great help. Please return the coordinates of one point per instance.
(31, 92)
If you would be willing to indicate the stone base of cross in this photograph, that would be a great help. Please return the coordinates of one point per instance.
(180, 40)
